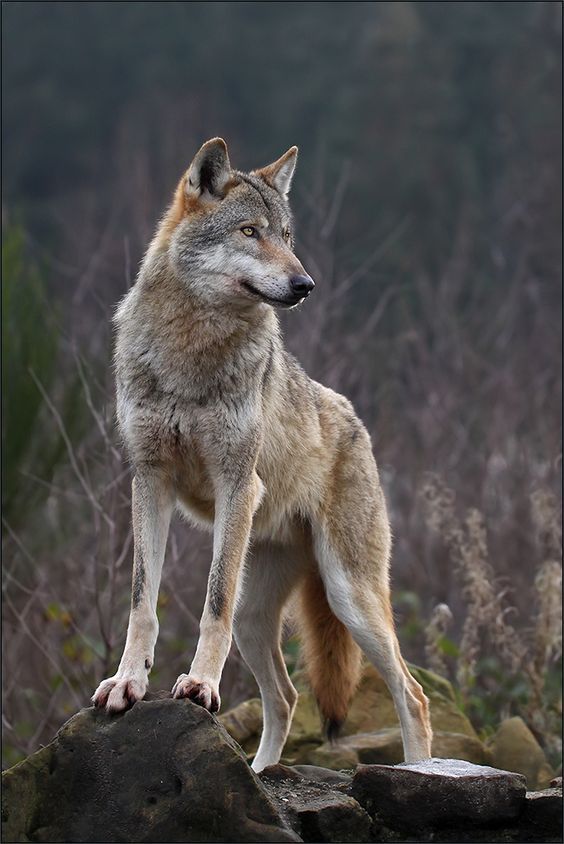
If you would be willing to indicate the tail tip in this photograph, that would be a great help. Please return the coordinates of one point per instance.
(332, 729)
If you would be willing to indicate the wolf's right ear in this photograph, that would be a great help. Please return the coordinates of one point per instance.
(279, 174)
(210, 170)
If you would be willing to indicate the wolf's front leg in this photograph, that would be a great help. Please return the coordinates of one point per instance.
(152, 503)
(235, 505)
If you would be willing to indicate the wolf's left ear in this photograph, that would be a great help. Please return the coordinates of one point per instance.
(279, 174)
(210, 170)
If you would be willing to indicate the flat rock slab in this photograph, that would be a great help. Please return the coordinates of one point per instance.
(165, 771)
(438, 792)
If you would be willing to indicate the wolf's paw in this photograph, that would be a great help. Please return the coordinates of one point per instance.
(202, 693)
(119, 693)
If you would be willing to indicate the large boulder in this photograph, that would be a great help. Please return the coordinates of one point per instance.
(163, 771)
(438, 793)
(515, 748)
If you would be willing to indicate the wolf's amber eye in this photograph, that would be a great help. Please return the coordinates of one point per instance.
(287, 235)
(249, 231)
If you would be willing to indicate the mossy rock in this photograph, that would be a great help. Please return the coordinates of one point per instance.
(372, 710)
(21, 793)
(385, 748)
(514, 748)
(244, 723)
(431, 682)
(333, 757)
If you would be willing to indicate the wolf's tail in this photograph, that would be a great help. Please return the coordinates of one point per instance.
(332, 658)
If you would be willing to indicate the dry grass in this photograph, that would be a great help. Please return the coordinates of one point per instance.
(485, 630)
(487, 606)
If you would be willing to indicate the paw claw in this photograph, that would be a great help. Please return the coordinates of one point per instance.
(118, 694)
(198, 691)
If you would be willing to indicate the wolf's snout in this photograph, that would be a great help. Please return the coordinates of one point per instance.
(301, 285)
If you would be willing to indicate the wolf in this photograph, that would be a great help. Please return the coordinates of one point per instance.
(221, 422)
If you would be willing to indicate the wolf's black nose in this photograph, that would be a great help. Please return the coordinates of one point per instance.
(301, 285)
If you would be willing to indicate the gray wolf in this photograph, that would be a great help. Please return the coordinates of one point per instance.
(222, 423)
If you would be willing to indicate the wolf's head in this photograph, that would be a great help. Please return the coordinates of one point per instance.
(229, 234)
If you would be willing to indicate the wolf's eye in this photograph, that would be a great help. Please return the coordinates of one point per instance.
(287, 235)
(249, 231)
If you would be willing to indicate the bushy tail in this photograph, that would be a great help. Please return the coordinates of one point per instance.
(331, 656)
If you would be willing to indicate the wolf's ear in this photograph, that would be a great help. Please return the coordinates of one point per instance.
(279, 174)
(210, 170)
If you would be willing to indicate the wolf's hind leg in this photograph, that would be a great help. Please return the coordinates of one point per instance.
(152, 503)
(268, 581)
(362, 603)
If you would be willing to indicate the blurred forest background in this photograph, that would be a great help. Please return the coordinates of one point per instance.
(428, 203)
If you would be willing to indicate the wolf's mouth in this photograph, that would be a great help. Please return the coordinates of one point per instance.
(285, 303)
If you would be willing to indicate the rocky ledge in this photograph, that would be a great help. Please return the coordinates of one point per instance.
(168, 771)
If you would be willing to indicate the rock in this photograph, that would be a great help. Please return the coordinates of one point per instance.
(477, 806)
(335, 757)
(438, 793)
(385, 748)
(514, 748)
(244, 724)
(20, 786)
(332, 817)
(542, 816)
(315, 805)
(168, 771)
(298, 773)
(314, 773)
(431, 682)
(280, 773)
(245, 721)
(372, 708)
(460, 746)
(556, 782)
(163, 771)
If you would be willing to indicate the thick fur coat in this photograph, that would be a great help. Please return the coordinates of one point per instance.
(221, 422)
